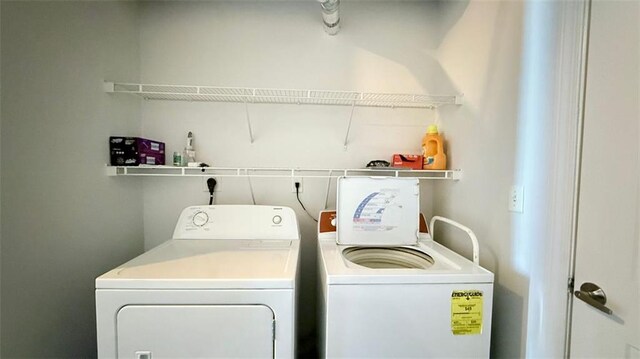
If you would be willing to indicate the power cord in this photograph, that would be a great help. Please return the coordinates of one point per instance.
(297, 184)
(211, 183)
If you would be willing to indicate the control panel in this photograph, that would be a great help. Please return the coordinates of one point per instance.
(237, 222)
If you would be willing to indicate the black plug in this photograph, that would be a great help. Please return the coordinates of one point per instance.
(297, 186)
(211, 184)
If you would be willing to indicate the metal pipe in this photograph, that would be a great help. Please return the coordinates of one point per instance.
(330, 15)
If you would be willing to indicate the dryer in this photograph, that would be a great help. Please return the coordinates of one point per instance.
(223, 286)
(387, 290)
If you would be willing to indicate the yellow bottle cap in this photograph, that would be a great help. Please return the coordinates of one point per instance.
(432, 129)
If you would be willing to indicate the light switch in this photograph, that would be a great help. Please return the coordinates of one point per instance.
(516, 199)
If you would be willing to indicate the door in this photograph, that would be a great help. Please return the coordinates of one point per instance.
(195, 331)
(608, 241)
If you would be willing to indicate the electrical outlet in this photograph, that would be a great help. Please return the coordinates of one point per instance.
(205, 188)
(293, 184)
(516, 199)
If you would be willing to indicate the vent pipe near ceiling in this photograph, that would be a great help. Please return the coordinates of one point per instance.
(331, 15)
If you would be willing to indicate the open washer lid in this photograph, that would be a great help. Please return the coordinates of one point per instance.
(375, 211)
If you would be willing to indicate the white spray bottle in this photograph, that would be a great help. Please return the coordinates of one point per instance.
(189, 151)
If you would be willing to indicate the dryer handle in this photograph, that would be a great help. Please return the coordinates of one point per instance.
(474, 240)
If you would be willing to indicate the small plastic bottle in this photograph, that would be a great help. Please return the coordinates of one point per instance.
(433, 150)
(177, 159)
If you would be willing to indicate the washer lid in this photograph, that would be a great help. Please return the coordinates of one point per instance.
(378, 211)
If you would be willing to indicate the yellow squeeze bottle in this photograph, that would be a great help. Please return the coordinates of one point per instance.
(433, 150)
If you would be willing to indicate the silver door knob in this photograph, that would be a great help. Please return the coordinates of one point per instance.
(594, 296)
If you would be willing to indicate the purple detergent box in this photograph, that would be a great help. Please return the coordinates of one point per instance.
(134, 151)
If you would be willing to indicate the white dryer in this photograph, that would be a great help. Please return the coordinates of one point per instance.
(387, 289)
(223, 287)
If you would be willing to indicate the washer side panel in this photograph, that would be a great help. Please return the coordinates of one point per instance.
(402, 320)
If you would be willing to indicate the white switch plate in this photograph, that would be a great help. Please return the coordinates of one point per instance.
(516, 199)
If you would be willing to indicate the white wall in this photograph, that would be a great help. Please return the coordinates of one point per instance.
(482, 55)
(383, 46)
(63, 221)
(518, 128)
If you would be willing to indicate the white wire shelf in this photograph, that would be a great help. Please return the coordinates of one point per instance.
(171, 171)
(280, 96)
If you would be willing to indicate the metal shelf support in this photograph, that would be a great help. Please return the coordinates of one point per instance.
(346, 136)
(246, 109)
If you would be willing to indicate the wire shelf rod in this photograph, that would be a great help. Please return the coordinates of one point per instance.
(170, 171)
(278, 96)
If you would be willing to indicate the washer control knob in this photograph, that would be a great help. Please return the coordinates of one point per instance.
(276, 219)
(200, 218)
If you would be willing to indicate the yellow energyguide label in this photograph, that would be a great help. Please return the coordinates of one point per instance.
(466, 312)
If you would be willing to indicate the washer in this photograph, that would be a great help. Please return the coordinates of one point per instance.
(223, 286)
(387, 289)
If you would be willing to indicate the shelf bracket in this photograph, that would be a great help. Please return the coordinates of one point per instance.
(346, 137)
(246, 109)
(253, 197)
(109, 87)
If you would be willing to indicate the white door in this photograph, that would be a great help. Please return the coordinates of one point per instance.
(608, 244)
(195, 331)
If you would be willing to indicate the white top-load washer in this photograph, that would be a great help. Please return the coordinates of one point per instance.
(387, 289)
(223, 287)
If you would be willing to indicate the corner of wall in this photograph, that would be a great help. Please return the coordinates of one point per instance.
(1, 181)
(480, 140)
